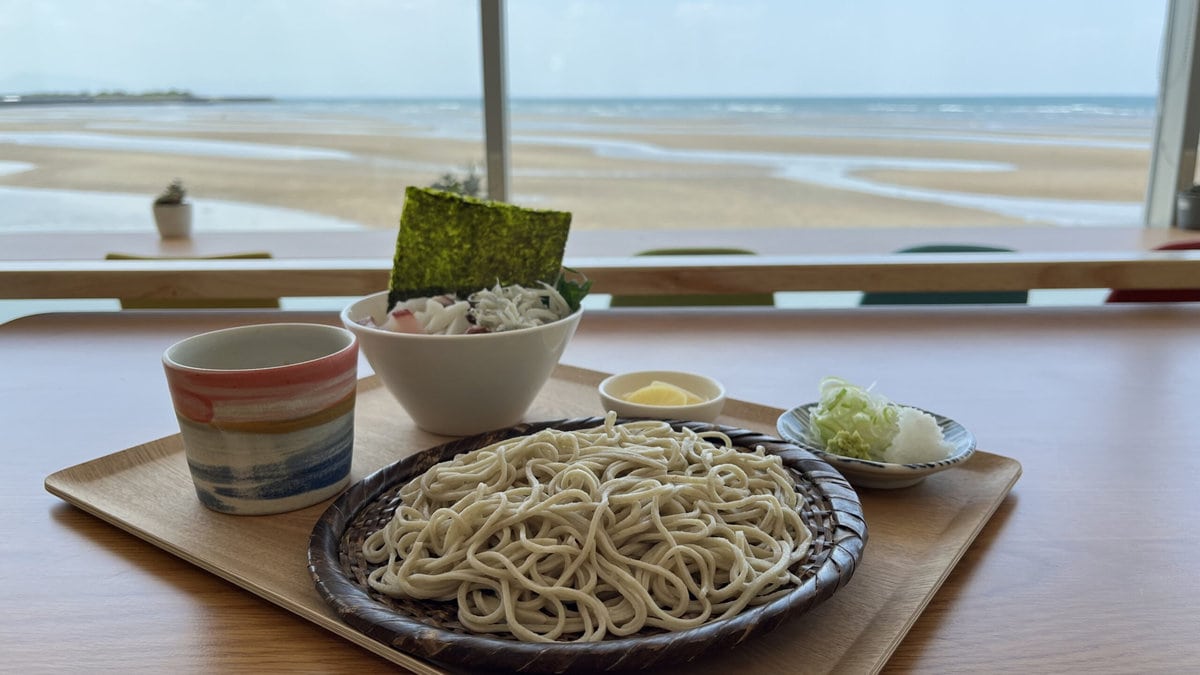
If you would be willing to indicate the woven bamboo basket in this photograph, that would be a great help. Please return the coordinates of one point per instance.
(430, 629)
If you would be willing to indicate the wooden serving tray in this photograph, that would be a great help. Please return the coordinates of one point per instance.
(915, 535)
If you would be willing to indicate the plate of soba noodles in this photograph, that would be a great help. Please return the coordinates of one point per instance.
(598, 543)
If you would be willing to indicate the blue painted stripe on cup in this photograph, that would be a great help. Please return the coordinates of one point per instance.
(333, 469)
(213, 502)
(311, 468)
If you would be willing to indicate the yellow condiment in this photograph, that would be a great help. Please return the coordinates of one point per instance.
(662, 393)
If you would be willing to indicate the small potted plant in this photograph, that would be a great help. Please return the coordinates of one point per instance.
(1187, 208)
(173, 212)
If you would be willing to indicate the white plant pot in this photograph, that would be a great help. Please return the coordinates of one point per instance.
(1187, 211)
(174, 221)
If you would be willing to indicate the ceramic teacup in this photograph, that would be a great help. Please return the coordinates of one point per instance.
(266, 414)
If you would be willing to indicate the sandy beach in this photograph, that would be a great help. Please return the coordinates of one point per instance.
(615, 178)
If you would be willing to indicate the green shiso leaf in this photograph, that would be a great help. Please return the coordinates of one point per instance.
(572, 291)
(450, 243)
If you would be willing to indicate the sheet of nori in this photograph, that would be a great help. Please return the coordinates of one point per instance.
(449, 243)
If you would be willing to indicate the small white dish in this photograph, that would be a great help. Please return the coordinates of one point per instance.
(615, 387)
(794, 424)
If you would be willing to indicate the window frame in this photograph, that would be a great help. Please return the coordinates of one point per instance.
(1177, 127)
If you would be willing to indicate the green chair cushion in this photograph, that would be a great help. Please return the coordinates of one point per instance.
(947, 297)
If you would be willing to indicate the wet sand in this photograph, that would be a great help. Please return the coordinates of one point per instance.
(617, 192)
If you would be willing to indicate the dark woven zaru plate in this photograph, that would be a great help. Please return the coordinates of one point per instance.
(430, 629)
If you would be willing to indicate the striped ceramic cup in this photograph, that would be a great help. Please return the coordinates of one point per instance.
(266, 413)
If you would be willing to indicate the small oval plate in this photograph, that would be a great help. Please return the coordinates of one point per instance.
(794, 426)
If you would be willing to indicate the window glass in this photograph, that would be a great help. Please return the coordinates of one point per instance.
(275, 114)
(724, 115)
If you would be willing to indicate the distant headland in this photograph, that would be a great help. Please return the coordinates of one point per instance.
(123, 98)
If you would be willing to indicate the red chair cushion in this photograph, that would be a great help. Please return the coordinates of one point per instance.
(1160, 294)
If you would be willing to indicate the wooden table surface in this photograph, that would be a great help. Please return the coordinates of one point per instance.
(1089, 565)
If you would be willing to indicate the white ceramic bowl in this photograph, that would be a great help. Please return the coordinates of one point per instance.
(614, 387)
(459, 385)
(794, 424)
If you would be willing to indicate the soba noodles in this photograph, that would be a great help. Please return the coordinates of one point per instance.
(579, 535)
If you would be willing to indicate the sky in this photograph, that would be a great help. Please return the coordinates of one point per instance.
(585, 48)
